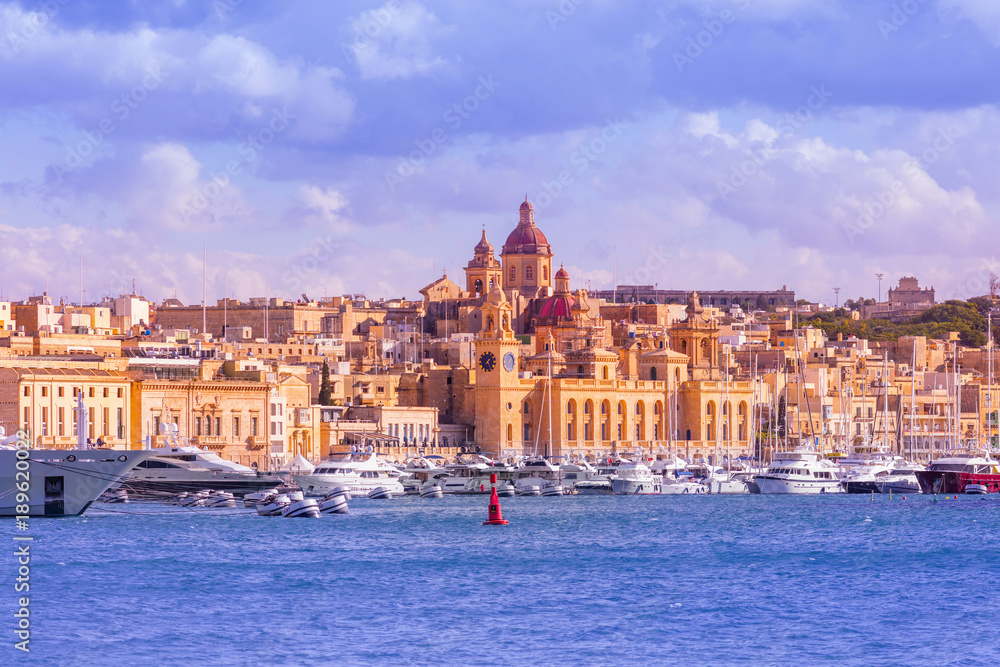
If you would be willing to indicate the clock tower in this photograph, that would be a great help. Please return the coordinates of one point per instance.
(498, 401)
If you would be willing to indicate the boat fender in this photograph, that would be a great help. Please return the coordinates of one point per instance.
(71, 458)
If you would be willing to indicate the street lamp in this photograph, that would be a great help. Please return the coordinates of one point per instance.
(879, 276)
(836, 291)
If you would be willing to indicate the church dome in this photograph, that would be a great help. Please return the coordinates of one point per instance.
(527, 238)
(561, 273)
(559, 306)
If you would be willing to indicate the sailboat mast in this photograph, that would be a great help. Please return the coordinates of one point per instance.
(913, 397)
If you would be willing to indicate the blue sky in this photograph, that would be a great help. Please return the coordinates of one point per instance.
(330, 148)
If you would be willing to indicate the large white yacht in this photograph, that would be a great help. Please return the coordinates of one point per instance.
(635, 478)
(901, 479)
(58, 482)
(538, 475)
(800, 471)
(360, 473)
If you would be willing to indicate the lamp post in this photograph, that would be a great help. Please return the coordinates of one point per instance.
(836, 291)
(879, 276)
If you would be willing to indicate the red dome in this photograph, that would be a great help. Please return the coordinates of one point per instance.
(561, 273)
(527, 239)
(554, 307)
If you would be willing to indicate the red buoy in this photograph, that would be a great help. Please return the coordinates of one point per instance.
(495, 517)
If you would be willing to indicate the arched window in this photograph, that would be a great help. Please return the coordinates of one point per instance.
(527, 409)
(708, 408)
(479, 286)
(605, 372)
(545, 273)
(510, 432)
(579, 371)
(529, 273)
(513, 273)
(652, 373)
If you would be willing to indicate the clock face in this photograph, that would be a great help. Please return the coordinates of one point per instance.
(508, 362)
(487, 361)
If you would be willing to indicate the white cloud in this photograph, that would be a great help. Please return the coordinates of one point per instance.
(395, 41)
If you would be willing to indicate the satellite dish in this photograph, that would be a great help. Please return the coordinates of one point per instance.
(164, 428)
(370, 448)
(174, 430)
(352, 449)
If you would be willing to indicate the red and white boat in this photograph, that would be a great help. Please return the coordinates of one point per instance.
(956, 471)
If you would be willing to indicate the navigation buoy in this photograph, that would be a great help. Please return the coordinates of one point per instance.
(495, 517)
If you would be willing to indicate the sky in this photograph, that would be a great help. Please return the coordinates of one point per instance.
(321, 148)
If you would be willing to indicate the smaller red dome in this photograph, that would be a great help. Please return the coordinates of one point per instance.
(557, 307)
(561, 273)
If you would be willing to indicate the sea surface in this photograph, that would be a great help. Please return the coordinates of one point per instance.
(577, 580)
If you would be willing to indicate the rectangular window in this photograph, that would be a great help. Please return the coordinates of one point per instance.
(274, 428)
(156, 426)
(45, 418)
(61, 420)
(90, 392)
(274, 409)
(45, 392)
(60, 392)
(76, 425)
(253, 426)
(121, 424)
(27, 419)
(236, 427)
(106, 422)
(27, 392)
(90, 417)
(119, 392)
(105, 392)
(197, 425)
(208, 426)
(218, 426)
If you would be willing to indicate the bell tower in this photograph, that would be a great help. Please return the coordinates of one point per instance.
(484, 272)
(498, 400)
(698, 337)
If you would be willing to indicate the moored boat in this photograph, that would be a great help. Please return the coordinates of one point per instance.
(953, 473)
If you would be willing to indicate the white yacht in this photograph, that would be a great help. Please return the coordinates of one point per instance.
(722, 481)
(360, 473)
(172, 470)
(58, 482)
(799, 471)
(901, 479)
(471, 475)
(538, 474)
(419, 471)
(635, 479)
(598, 484)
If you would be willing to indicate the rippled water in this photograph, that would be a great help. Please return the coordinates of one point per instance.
(573, 580)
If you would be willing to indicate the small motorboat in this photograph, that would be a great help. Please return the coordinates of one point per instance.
(594, 487)
(552, 490)
(273, 504)
(380, 493)
(300, 507)
(250, 500)
(116, 496)
(505, 491)
(334, 503)
(976, 489)
(431, 491)
(220, 499)
(193, 499)
(528, 490)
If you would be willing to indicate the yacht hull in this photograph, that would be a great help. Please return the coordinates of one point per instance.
(775, 485)
(632, 487)
(865, 487)
(946, 481)
(237, 485)
(60, 482)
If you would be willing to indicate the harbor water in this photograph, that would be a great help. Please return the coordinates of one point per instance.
(571, 581)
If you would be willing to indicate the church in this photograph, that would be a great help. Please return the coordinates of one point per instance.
(548, 380)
